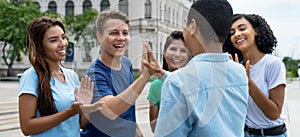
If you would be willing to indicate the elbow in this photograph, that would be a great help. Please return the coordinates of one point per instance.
(153, 125)
(274, 116)
(25, 131)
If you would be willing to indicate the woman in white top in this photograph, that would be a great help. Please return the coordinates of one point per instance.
(251, 40)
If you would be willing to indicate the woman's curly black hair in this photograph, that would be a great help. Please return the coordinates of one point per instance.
(265, 40)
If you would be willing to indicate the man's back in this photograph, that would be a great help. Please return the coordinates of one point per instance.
(208, 97)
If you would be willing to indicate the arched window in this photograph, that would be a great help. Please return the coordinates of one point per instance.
(52, 6)
(123, 6)
(148, 9)
(104, 5)
(69, 9)
(86, 5)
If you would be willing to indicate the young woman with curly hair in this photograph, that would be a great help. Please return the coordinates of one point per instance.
(251, 40)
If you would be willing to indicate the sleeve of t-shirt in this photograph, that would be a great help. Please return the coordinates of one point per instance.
(102, 85)
(28, 83)
(154, 92)
(276, 74)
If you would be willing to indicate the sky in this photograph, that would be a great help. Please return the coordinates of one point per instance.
(283, 16)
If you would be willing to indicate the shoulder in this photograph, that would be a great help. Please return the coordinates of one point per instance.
(126, 61)
(272, 60)
(30, 72)
(157, 82)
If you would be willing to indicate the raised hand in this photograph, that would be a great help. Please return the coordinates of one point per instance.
(85, 94)
(248, 66)
(150, 62)
(236, 58)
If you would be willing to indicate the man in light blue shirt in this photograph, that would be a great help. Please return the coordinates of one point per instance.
(208, 97)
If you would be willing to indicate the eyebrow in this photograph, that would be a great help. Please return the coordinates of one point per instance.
(55, 37)
(241, 25)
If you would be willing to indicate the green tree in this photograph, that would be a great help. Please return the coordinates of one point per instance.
(291, 67)
(83, 28)
(14, 18)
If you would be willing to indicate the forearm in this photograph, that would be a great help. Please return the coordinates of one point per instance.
(267, 106)
(84, 120)
(115, 106)
(42, 124)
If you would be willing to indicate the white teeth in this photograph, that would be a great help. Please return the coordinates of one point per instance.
(119, 46)
(176, 60)
(62, 51)
(239, 41)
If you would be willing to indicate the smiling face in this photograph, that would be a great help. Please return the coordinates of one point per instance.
(176, 55)
(55, 44)
(115, 38)
(242, 35)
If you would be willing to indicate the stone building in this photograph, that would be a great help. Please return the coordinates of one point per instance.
(150, 20)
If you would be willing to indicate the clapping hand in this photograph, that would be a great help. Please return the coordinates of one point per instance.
(85, 95)
(247, 64)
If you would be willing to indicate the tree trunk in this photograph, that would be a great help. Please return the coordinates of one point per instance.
(6, 58)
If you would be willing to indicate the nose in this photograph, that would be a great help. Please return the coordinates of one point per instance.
(237, 33)
(121, 37)
(63, 42)
(178, 52)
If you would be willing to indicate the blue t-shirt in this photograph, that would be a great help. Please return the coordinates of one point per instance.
(63, 95)
(110, 82)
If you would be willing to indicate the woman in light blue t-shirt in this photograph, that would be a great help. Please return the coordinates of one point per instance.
(49, 102)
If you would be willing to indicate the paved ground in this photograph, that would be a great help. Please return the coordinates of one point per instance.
(9, 125)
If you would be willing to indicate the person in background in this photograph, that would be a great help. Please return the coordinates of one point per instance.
(49, 102)
(175, 56)
(251, 35)
(197, 98)
(114, 83)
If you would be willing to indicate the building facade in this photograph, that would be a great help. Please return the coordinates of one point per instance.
(150, 20)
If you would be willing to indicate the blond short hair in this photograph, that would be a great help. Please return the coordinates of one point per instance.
(110, 14)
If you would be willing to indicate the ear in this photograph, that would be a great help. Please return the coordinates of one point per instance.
(193, 28)
(256, 31)
(99, 36)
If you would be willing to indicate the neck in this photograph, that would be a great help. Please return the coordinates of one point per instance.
(54, 66)
(253, 55)
(111, 61)
(211, 47)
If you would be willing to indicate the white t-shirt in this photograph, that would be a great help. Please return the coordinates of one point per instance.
(267, 73)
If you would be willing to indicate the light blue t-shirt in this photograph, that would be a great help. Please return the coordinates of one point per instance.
(208, 97)
(63, 94)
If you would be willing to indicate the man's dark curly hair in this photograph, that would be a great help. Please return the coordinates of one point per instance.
(265, 40)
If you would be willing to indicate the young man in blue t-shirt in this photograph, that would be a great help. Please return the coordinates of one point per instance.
(114, 83)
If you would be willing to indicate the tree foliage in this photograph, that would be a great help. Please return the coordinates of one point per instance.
(291, 66)
(83, 28)
(14, 19)
(15, 15)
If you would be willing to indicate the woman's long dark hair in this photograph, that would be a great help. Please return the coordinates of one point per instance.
(35, 35)
(265, 40)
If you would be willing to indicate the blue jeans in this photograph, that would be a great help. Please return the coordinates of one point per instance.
(251, 135)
